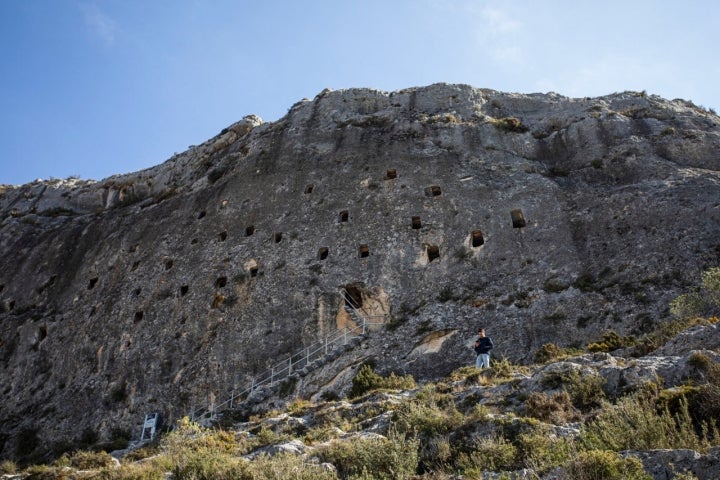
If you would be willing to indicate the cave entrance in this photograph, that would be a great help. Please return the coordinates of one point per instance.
(353, 297)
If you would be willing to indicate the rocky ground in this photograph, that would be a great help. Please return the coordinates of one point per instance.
(560, 419)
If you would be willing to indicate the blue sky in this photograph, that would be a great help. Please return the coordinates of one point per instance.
(98, 87)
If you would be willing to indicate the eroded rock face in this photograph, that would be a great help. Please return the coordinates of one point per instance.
(167, 288)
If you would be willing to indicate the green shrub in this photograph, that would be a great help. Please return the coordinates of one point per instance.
(207, 464)
(85, 460)
(611, 341)
(604, 465)
(703, 399)
(704, 301)
(510, 124)
(700, 361)
(367, 380)
(548, 352)
(541, 451)
(429, 414)
(8, 467)
(286, 466)
(635, 424)
(586, 391)
(502, 370)
(142, 453)
(684, 476)
(134, 471)
(556, 408)
(45, 472)
(468, 373)
(490, 454)
(389, 458)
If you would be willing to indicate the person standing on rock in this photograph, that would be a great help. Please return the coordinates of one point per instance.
(483, 345)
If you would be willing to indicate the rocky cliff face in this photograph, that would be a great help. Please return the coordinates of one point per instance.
(439, 209)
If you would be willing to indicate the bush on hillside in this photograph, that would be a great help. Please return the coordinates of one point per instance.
(389, 458)
(489, 454)
(704, 301)
(634, 423)
(606, 465)
(542, 451)
(556, 408)
(611, 341)
(85, 460)
(367, 380)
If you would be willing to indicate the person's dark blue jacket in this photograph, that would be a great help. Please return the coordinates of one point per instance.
(483, 345)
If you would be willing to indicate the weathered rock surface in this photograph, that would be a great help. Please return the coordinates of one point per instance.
(168, 288)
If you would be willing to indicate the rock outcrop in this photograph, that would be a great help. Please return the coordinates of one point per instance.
(541, 217)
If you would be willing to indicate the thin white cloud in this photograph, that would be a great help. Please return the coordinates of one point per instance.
(497, 32)
(497, 22)
(99, 23)
(604, 76)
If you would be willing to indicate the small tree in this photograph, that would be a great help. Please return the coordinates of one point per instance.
(704, 301)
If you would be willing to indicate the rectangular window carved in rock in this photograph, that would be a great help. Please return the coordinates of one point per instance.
(323, 253)
(309, 188)
(343, 217)
(518, 219)
(391, 174)
(277, 237)
(249, 230)
(433, 191)
(416, 223)
(364, 251)
(477, 238)
(433, 252)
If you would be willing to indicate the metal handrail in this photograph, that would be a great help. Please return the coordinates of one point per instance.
(282, 370)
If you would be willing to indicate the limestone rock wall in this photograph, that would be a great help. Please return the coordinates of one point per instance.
(166, 288)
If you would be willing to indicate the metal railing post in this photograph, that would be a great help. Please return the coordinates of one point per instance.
(272, 374)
